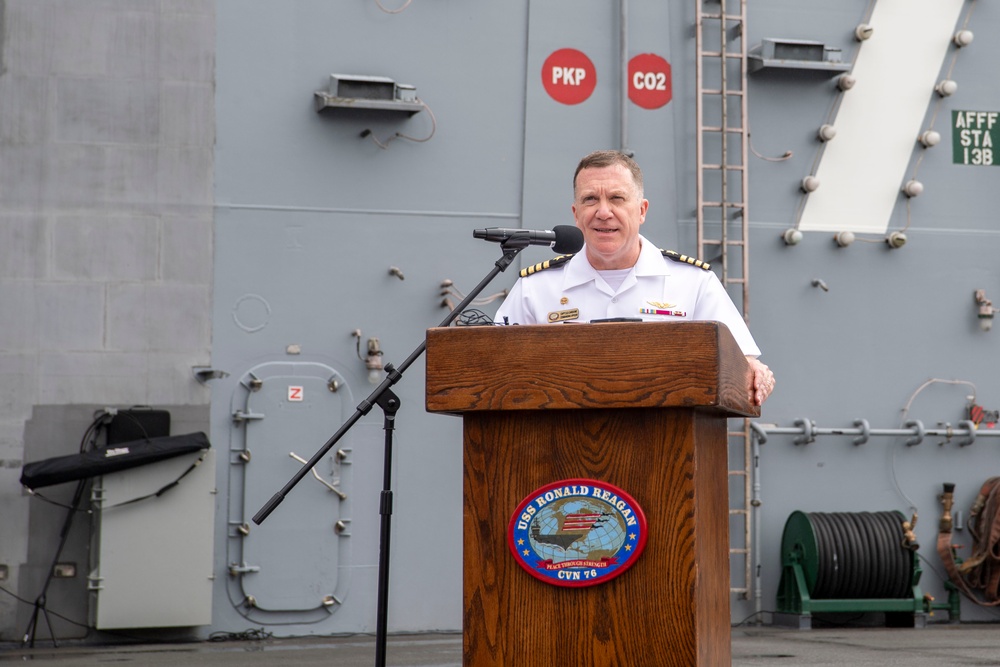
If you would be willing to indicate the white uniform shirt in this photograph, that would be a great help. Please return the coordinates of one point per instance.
(656, 290)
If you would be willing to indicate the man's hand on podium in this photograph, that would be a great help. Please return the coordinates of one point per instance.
(762, 383)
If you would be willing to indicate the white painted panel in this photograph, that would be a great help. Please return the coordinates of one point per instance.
(863, 168)
(154, 557)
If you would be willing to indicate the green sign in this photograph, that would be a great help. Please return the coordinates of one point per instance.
(975, 137)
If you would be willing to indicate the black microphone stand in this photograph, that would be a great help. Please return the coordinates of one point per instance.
(389, 403)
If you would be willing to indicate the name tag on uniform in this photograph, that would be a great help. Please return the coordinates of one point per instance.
(564, 315)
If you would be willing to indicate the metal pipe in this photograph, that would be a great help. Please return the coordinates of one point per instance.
(623, 66)
(724, 149)
(755, 505)
(807, 431)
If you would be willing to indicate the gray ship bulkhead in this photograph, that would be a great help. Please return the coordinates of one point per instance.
(197, 217)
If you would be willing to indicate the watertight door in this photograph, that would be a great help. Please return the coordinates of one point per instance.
(291, 562)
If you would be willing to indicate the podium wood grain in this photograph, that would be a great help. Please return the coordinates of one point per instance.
(610, 365)
(654, 427)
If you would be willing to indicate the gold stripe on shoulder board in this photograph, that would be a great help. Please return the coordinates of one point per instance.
(677, 257)
(547, 264)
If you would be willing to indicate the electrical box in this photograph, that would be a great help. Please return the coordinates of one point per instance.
(373, 93)
(154, 557)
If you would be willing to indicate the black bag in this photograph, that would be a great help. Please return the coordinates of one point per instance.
(109, 459)
(140, 422)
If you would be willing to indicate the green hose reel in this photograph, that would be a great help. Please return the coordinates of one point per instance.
(848, 562)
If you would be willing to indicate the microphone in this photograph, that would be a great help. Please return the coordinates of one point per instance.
(563, 239)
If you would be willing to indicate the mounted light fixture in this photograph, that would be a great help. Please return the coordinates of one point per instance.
(810, 184)
(930, 138)
(896, 240)
(373, 358)
(913, 188)
(984, 310)
(373, 362)
(963, 38)
(946, 88)
(826, 132)
(792, 236)
(844, 239)
(846, 81)
(863, 32)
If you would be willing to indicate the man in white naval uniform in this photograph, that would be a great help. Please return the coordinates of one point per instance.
(619, 273)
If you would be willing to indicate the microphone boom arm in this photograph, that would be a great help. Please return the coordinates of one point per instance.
(511, 247)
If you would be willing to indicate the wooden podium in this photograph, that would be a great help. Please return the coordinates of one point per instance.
(642, 406)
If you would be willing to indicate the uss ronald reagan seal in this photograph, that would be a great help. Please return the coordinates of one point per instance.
(577, 532)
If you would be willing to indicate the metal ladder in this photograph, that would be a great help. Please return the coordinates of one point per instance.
(722, 223)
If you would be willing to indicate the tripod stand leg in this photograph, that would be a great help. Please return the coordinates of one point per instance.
(29, 633)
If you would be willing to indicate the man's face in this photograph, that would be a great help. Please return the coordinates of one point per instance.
(609, 209)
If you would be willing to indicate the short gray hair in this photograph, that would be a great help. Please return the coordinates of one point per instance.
(599, 159)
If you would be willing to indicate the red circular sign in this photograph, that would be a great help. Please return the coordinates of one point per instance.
(650, 83)
(569, 76)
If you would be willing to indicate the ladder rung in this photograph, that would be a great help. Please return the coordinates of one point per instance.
(718, 91)
(735, 55)
(718, 128)
(731, 167)
(715, 242)
(728, 204)
(718, 204)
(718, 15)
(715, 206)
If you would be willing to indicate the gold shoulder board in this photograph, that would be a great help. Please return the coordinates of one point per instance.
(547, 264)
(677, 257)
